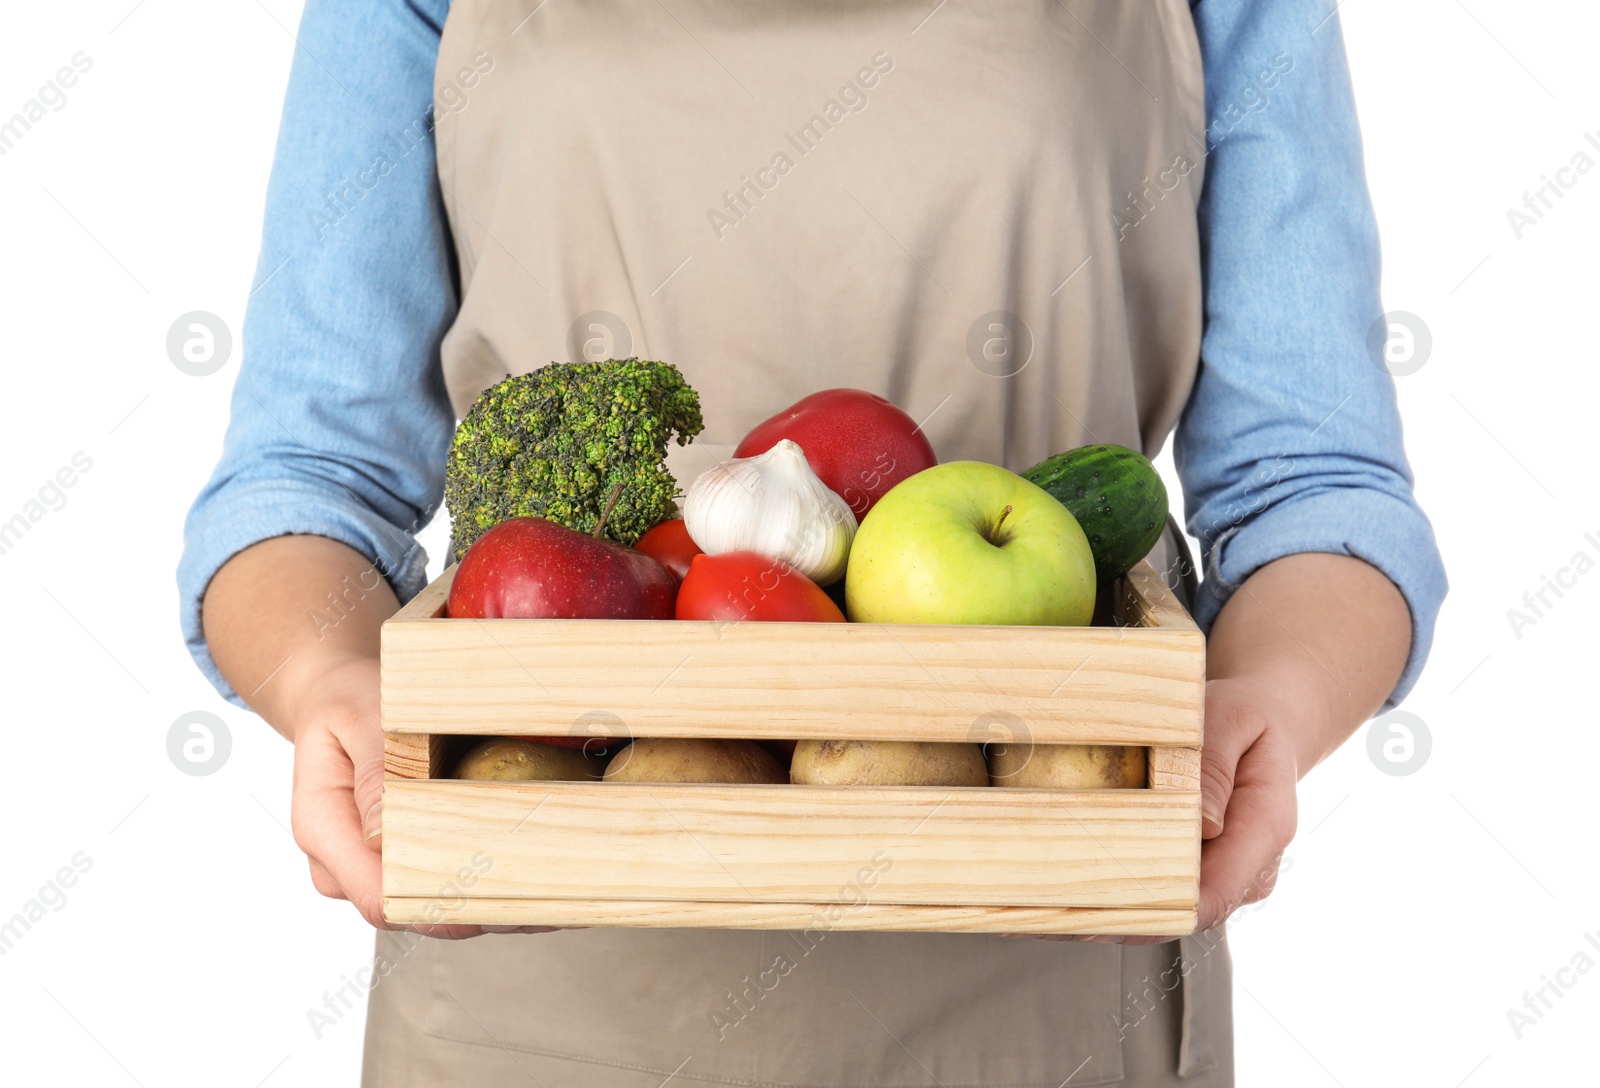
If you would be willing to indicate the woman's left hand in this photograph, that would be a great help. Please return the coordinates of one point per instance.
(1248, 808)
(1247, 803)
(1303, 653)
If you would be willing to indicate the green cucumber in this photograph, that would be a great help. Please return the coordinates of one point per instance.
(1117, 497)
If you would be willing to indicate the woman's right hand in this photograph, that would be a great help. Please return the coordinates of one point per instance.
(336, 812)
(316, 683)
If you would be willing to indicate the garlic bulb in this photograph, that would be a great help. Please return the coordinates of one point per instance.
(772, 504)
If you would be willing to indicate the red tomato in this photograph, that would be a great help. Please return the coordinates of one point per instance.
(668, 544)
(746, 586)
(859, 444)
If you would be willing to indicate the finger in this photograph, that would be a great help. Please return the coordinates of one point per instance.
(1086, 938)
(363, 745)
(323, 881)
(1231, 728)
(326, 825)
(1240, 865)
(344, 864)
(447, 931)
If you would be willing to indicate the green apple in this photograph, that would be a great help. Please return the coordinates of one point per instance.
(968, 542)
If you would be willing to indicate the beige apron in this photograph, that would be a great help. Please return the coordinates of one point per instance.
(984, 211)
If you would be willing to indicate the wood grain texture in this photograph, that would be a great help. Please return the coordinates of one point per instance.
(430, 603)
(811, 920)
(1178, 769)
(413, 755)
(666, 678)
(782, 857)
(1141, 599)
(1174, 768)
(786, 844)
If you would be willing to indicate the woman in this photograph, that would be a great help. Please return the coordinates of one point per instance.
(1032, 224)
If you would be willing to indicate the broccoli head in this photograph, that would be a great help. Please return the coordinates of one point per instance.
(555, 444)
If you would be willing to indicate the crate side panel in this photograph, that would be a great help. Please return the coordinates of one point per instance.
(1094, 848)
(887, 682)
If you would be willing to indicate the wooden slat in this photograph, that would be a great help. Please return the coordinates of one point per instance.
(430, 603)
(1174, 768)
(413, 755)
(973, 846)
(793, 680)
(817, 918)
(868, 681)
(1143, 600)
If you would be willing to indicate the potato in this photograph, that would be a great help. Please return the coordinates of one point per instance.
(1067, 766)
(505, 759)
(887, 763)
(695, 760)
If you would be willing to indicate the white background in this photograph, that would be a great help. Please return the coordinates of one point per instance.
(1418, 909)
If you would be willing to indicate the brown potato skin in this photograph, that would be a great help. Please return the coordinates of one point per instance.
(887, 763)
(1068, 766)
(504, 759)
(695, 760)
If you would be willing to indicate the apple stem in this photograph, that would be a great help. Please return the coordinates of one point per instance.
(999, 521)
(611, 504)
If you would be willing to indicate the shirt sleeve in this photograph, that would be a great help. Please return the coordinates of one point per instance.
(340, 422)
(1291, 439)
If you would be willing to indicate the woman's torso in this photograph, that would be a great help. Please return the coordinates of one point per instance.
(984, 212)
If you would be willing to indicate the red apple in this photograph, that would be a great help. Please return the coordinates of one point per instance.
(535, 569)
(859, 444)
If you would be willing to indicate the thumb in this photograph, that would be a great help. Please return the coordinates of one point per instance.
(365, 749)
(1231, 727)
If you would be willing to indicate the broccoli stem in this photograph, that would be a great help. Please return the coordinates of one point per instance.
(605, 515)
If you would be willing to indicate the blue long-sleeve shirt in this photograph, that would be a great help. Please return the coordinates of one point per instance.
(340, 422)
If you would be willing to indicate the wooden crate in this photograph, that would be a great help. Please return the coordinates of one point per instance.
(975, 859)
